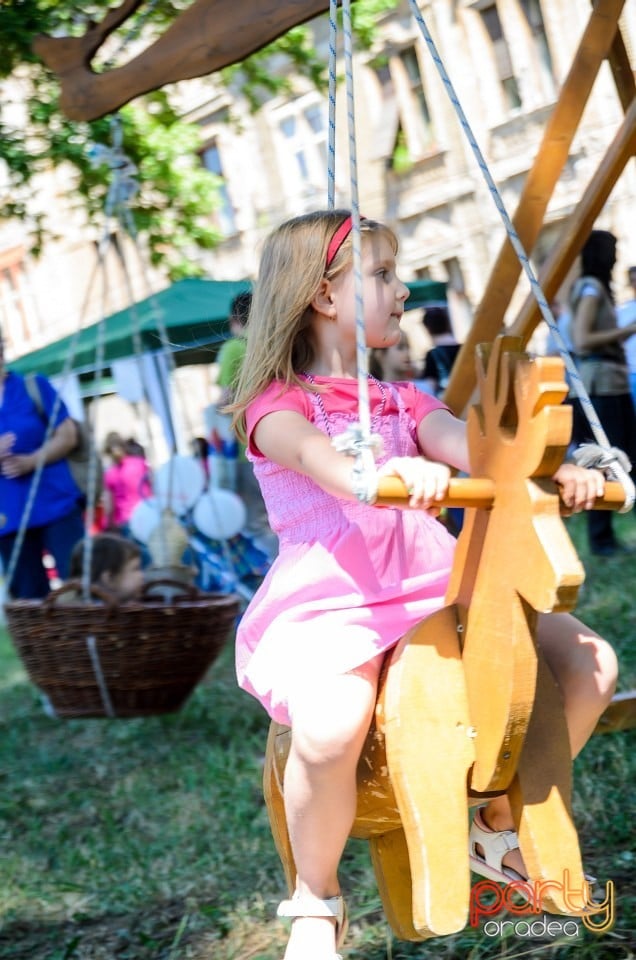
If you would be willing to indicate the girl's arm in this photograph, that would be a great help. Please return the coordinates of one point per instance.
(288, 439)
(443, 437)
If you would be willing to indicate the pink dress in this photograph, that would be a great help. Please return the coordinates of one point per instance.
(349, 579)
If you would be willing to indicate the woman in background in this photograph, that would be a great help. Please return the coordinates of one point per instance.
(55, 521)
(600, 357)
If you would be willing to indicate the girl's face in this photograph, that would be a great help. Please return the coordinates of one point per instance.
(383, 294)
(126, 584)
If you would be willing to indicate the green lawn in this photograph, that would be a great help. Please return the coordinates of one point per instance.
(139, 839)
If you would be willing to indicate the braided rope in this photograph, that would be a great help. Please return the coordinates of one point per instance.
(331, 161)
(617, 469)
(357, 440)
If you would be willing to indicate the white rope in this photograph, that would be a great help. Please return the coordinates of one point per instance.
(93, 653)
(331, 161)
(357, 440)
(614, 466)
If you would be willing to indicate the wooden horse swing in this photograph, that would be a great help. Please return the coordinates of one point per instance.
(466, 701)
(431, 754)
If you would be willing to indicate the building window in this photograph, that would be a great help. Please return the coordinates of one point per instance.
(224, 214)
(503, 60)
(304, 155)
(406, 131)
(534, 17)
(418, 97)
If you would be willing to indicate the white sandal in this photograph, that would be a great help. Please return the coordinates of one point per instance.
(307, 906)
(487, 850)
(489, 847)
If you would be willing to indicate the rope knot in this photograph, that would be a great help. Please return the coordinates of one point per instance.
(614, 463)
(365, 448)
(593, 456)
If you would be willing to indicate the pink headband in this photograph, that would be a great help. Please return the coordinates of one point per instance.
(339, 238)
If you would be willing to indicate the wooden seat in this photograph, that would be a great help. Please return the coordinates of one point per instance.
(467, 708)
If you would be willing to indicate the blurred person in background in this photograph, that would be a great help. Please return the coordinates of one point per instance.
(626, 315)
(439, 360)
(392, 364)
(600, 358)
(126, 481)
(55, 522)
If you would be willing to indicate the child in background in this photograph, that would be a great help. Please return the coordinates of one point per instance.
(115, 565)
(350, 580)
(126, 481)
(392, 364)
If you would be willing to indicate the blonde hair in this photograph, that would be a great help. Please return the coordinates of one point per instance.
(293, 264)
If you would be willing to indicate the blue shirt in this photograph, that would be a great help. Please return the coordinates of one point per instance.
(57, 492)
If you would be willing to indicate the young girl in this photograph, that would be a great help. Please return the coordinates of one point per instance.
(115, 565)
(350, 579)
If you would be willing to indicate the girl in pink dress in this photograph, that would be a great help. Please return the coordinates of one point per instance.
(351, 579)
(126, 481)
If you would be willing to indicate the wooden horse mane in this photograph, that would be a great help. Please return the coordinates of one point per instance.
(467, 708)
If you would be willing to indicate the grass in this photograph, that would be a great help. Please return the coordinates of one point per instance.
(139, 839)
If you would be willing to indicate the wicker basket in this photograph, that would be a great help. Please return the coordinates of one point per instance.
(106, 659)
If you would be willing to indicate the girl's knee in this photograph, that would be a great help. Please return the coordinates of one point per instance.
(607, 669)
(325, 746)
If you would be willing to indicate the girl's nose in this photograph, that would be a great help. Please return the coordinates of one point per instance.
(403, 292)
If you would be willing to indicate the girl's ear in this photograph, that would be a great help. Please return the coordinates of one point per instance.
(323, 301)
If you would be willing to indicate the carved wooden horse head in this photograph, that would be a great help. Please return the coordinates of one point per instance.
(466, 705)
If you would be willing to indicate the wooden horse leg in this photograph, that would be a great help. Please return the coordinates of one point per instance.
(389, 853)
(390, 858)
(540, 796)
(429, 750)
(275, 755)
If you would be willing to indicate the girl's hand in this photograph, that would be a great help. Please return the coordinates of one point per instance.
(579, 487)
(425, 480)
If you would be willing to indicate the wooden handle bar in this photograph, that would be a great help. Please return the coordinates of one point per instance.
(479, 492)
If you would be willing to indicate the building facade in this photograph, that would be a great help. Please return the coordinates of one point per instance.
(506, 60)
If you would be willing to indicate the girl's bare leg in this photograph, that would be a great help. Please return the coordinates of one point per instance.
(329, 725)
(585, 669)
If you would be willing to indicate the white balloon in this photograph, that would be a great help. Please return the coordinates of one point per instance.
(219, 514)
(144, 519)
(179, 483)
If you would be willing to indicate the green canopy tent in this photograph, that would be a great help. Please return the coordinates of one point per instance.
(194, 313)
(425, 293)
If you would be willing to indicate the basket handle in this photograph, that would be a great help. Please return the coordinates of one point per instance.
(107, 598)
(188, 590)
